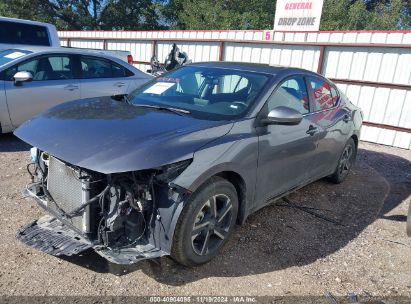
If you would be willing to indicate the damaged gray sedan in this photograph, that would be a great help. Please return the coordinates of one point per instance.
(172, 167)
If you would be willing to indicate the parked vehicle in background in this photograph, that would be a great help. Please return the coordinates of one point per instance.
(123, 55)
(35, 79)
(189, 155)
(17, 32)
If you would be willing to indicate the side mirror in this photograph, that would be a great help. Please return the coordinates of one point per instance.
(21, 77)
(283, 116)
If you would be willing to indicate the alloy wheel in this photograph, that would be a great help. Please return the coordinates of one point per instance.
(346, 161)
(212, 224)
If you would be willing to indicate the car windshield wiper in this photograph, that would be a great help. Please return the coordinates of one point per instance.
(162, 108)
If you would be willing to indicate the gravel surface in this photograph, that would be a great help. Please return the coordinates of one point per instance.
(355, 242)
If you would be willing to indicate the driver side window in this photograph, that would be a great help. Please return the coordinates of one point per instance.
(292, 93)
(45, 68)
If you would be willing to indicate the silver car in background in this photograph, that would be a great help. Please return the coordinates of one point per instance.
(34, 79)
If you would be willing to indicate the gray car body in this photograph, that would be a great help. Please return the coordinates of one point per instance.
(264, 162)
(20, 103)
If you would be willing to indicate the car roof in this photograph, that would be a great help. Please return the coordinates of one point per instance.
(36, 50)
(24, 21)
(48, 49)
(39, 50)
(254, 67)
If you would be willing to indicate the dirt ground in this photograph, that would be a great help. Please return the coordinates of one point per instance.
(355, 242)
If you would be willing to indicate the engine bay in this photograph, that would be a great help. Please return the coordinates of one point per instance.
(119, 215)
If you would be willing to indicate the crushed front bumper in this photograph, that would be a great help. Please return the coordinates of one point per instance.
(52, 236)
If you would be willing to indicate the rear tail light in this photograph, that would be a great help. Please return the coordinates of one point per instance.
(130, 59)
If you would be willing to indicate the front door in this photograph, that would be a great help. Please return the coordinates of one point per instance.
(286, 152)
(53, 83)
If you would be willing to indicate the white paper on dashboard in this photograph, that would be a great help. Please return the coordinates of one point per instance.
(159, 88)
(14, 55)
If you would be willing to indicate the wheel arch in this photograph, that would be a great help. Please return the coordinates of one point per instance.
(355, 138)
(241, 188)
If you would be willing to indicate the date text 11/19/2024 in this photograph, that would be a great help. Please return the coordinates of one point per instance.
(202, 299)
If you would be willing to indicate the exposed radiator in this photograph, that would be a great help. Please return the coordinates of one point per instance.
(68, 192)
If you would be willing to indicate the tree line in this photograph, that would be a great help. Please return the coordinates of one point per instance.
(202, 14)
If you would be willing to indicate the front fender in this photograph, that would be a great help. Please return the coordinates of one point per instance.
(235, 153)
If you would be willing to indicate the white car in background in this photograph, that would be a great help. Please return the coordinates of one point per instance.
(15, 33)
(33, 79)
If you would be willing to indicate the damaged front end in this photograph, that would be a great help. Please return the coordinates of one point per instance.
(124, 217)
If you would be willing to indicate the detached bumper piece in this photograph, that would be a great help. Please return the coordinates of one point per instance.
(126, 256)
(51, 236)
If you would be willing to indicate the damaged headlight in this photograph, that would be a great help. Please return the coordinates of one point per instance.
(172, 171)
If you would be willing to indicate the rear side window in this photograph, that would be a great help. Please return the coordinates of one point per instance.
(100, 68)
(118, 71)
(325, 96)
(20, 33)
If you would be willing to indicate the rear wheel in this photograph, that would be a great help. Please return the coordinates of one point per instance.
(345, 162)
(206, 223)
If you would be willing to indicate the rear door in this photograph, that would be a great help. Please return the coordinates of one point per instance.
(53, 83)
(103, 77)
(332, 121)
(286, 152)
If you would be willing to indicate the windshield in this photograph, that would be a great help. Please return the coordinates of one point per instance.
(207, 93)
(7, 56)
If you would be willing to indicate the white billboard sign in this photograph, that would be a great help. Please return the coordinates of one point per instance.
(298, 15)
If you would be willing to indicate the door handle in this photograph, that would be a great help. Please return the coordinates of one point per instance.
(346, 118)
(311, 130)
(71, 87)
(119, 84)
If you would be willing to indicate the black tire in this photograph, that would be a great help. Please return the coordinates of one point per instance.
(347, 159)
(196, 223)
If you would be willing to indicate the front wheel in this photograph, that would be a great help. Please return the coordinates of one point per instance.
(206, 223)
(345, 162)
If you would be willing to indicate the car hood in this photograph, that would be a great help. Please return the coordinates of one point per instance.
(108, 136)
